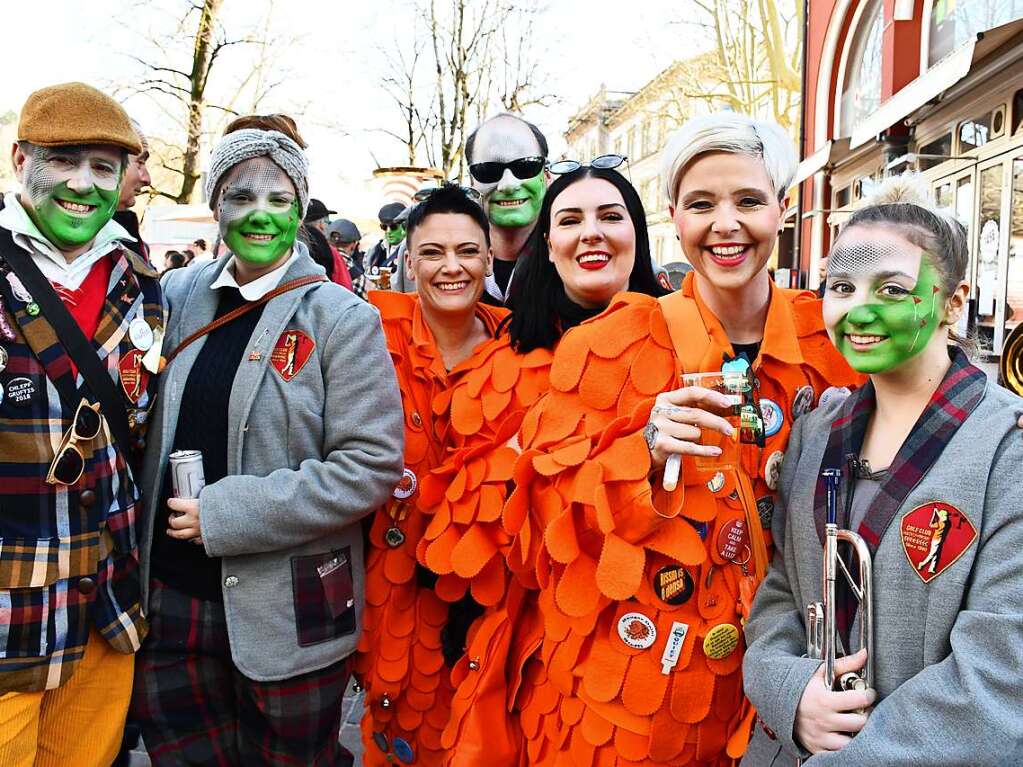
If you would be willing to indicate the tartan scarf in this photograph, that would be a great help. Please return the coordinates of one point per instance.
(950, 405)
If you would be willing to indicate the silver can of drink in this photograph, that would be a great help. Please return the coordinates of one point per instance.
(187, 476)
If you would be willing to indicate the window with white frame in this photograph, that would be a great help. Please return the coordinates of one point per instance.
(861, 91)
(955, 22)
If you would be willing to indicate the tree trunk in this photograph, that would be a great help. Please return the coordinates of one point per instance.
(201, 60)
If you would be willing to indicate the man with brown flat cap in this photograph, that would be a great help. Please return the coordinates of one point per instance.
(81, 326)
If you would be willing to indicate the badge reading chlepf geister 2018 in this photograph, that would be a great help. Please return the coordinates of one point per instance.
(20, 391)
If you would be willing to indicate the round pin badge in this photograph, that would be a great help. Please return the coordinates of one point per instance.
(772, 469)
(20, 391)
(833, 393)
(674, 585)
(141, 335)
(721, 641)
(403, 750)
(715, 483)
(381, 741)
(636, 630)
(732, 541)
(765, 510)
(773, 416)
(802, 403)
(394, 537)
(406, 485)
(4, 357)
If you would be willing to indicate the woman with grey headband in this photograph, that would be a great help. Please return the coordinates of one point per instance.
(282, 381)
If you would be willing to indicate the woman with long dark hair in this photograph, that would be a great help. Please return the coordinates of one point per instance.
(590, 243)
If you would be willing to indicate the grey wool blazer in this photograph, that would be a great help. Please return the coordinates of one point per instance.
(949, 651)
(311, 450)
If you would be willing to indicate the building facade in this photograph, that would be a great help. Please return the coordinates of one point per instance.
(931, 86)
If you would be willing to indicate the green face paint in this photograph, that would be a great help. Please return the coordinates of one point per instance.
(395, 234)
(72, 192)
(259, 212)
(876, 316)
(518, 205)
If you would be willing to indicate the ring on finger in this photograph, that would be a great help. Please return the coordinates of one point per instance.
(650, 433)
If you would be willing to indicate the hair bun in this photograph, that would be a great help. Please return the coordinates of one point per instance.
(904, 188)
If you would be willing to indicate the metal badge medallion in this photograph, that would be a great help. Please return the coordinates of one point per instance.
(406, 485)
(394, 537)
(765, 510)
(715, 483)
(773, 416)
(637, 630)
(802, 403)
(772, 469)
(140, 335)
(18, 289)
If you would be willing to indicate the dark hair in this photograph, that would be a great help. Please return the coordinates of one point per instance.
(201, 243)
(173, 259)
(537, 294)
(448, 198)
(281, 123)
(537, 134)
(319, 248)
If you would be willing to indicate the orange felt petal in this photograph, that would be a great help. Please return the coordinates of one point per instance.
(692, 691)
(472, 552)
(505, 373)
(569, 360)
(573, 453)
(557, 423)
(678, 540)
(602, 382)
(438, 552)
(604, 672)
(652, 369)
(667, 736)
(631, 745)
(501, 464)
(494, 403)
(626, 458)
(561, 537)
(464, 511)
(575, 594)
(580, 749)
(466, 412)
(620, 569)
(630, 325)
(488, 585)
(645, 685)
(659, 330)
(457, 487)
(491, 503)
(450, 587)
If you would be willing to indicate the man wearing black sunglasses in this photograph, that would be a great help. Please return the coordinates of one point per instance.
(507, 157)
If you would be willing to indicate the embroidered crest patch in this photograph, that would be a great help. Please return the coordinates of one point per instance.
(291, 352)
(133, 377)
(934, 536)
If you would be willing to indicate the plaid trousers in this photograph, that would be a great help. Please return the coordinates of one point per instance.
(195, 708)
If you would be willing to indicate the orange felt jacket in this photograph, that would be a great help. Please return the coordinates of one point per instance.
(642, 592)
(399, 660)
(467, 546)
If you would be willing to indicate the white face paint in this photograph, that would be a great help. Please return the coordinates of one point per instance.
(81, 168)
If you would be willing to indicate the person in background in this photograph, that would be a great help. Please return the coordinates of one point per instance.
(344, 236)
(386, 254)
(136, 180)
(318, 215)
(319, 249)
(507, 156)
(173, 259)
(318, 219)
(254, 588)
(71, 611)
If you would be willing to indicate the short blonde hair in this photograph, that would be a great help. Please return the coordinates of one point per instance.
(732, 133)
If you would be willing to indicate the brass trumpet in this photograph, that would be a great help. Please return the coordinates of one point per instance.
(822, 638)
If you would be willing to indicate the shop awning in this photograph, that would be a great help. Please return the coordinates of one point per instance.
(828, 155)
(935, 81)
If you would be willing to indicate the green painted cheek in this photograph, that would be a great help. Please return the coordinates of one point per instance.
(532, 191)
(67, 230)
(283, 228)
(909, 324)
(394, 236)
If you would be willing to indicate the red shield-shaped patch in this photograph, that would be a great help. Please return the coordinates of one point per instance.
(292, 350)
(133, 376)
(934, 536)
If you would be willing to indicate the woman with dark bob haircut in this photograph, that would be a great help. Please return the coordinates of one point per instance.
(542, 308)
(590, 243)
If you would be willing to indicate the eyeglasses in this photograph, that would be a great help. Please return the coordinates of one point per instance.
(523, 169)
(468, 191)
(69, 463)
(604, 162)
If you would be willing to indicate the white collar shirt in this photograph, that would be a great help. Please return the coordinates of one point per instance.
(259, 287)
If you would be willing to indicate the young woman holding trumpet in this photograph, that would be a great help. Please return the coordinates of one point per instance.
(928, 456)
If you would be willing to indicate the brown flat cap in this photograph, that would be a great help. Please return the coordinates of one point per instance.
(76, 113)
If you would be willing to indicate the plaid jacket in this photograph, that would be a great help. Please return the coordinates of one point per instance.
(68, 555)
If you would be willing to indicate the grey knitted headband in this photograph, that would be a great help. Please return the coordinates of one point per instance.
(247, 143)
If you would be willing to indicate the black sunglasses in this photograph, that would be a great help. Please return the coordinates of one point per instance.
(468, 191)
(604, 162)
(523, 169)
(69, 463)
